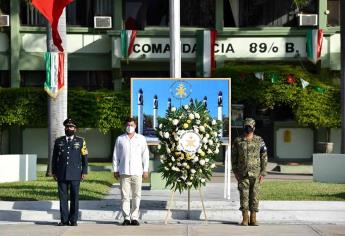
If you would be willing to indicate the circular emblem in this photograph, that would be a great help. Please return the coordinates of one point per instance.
(190, 141)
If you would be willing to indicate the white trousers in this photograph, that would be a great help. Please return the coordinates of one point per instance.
(130, 185)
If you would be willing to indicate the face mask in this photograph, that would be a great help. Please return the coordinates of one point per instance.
(130, 129)
(69, 132)
(248, 129)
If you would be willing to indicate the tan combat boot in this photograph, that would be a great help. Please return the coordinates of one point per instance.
(245, 219)
(253, 219)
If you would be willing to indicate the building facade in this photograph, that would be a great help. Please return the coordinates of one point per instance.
(247, 31)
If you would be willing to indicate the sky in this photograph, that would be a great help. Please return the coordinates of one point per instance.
(196, 89)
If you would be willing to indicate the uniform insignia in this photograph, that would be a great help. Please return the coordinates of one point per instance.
(84, 149)
(76, 145)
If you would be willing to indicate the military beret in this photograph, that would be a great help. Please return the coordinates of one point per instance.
(249, 121)
(69, 122)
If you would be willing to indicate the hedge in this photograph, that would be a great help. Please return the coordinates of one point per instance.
(27, 107)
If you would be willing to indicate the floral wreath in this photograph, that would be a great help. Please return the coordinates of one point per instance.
(189, 143)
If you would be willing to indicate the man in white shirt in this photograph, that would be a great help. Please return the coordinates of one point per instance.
(130, 165)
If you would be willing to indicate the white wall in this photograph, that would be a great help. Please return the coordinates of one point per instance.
(300, 146)
(35, 141)
(335, 139)
(81, 43)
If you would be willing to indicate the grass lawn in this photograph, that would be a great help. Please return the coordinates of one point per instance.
(45, 188)
(302, 190)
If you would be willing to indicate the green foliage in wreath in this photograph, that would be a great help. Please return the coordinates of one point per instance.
(182, 169)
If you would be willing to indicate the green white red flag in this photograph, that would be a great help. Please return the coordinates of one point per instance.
(314, 44)
(206, 62)
(127, 42)
(54, 62)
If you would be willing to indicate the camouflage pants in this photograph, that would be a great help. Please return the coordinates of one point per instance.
(249, 193)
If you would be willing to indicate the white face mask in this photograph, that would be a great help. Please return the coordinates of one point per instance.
(130, 129)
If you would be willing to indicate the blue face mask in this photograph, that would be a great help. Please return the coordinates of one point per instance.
(248, 129)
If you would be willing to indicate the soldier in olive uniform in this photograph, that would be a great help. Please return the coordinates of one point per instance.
(249, 160)
(69, 167)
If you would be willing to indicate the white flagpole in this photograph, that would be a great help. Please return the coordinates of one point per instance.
(175, 39)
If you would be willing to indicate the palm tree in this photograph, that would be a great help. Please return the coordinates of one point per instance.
(57, 108)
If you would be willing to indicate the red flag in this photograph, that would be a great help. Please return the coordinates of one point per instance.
(52, 10)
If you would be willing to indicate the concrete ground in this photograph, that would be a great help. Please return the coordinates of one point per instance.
(188, 229)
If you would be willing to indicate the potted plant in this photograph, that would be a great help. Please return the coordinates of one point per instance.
(318, 109)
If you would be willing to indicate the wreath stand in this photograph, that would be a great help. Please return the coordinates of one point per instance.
(188, 213)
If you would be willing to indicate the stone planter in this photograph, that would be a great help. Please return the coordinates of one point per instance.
(329, 168)
(17, 168)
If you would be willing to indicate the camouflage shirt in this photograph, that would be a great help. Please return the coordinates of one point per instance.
(249, 158)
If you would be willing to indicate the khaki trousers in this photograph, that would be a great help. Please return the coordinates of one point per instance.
(130, 186)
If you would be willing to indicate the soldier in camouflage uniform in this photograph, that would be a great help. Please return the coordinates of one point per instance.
(249, 160)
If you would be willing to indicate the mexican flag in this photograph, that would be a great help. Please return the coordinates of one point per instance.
(127, 42)
(52, 10)
(314, 44)
(54, 62)
(206, 63)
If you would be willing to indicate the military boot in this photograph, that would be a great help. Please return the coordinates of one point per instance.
(253, 219)
(245, 219)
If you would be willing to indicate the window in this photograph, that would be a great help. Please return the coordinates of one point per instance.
(253, 13)
(30, 16)
(139, 14)
(81, 12)
(333, 18)
(90, 80)
(4, 79)
(4, 7)
(32, 78)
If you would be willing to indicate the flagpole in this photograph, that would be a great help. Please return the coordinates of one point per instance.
(342, 76)
(175, 39)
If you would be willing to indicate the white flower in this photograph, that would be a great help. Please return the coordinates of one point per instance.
(191, 116)
(173, 158)
(207, 160)
(210, 142)
(202, 128)
(168, 151)
(213, 165)
(189, 183)
(214, 122)
(184, 164)
(178, 148)
(166, 168)
(175, 121)
(198, 122)
(192, 171)
(202, 162)
(209, 151)
(170, 164)
(159, 146)
(160, 126)
(178, 164)
(216, 151)
(162, 161)
(166, 135)
(197, 115)
(186, 107)
(161, 133)
(196, 130)
(184, 177)
(207, 136)
(176, 137)
(191, 177)
(204, 140)
(200, 170)
(173, 109)
(195, 159)
(205, 146)
(202, 180)
(215, 134)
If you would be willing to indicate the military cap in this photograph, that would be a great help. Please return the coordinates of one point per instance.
(249, 121)
(69, 122)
